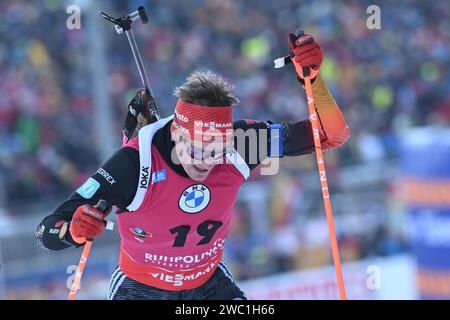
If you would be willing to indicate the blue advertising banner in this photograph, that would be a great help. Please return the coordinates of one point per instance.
(425, 165)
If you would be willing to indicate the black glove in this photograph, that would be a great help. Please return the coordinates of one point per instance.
(141, 111)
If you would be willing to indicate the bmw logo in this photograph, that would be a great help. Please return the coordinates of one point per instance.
(194, 198)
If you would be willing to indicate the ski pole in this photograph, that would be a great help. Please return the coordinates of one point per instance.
(314, 120)
(123, 25)
(80, 269)
(104, 207)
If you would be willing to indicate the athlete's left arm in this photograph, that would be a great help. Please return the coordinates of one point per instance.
(297, 137)
(294, 139)
(306, 52)
(256, 140)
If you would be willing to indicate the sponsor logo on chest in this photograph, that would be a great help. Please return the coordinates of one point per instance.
(140, 234)
(194, 198)
(144, 177)
(159, 176)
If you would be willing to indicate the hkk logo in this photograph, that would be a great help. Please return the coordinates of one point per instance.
(140, 234)
(194, 198)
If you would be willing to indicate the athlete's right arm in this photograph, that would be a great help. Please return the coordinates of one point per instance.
(115, 182)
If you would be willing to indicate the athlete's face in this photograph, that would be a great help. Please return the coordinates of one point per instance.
(197, 159)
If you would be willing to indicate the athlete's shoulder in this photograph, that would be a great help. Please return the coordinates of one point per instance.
(133, 143)
(245, 124)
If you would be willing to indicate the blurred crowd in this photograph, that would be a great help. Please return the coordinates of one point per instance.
(384, 80)
(45, 104)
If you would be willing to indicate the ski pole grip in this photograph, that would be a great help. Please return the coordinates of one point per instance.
(305, 70)
(103, 206)
(294, 37)
(143, 14)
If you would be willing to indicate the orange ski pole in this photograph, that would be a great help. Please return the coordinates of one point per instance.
(313, 118)
(103, 206)
(80, 269)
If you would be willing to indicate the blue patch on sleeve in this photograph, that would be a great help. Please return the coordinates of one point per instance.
(88, 189)
(276, 147)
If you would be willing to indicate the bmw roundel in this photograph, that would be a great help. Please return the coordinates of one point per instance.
(194, 198)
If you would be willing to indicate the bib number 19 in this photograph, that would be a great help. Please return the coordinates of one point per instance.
(206, 229)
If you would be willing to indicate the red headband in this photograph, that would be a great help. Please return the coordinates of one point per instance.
(204, 123)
